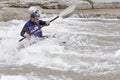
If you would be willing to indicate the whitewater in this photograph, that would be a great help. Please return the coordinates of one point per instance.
(81, 49)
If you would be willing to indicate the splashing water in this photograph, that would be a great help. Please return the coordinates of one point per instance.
(81, 49)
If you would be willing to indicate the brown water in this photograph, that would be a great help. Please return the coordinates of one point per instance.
(83, 49)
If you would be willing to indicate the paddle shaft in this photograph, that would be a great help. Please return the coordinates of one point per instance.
(38, 29)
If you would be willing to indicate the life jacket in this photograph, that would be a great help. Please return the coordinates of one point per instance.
(33, 27)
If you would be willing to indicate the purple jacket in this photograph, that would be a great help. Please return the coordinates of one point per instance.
(31, 27)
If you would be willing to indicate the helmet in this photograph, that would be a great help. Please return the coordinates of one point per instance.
(35, 15)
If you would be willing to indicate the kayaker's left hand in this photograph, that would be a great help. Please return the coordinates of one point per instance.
(47, 23)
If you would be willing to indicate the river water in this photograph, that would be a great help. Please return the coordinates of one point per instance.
(81, 49)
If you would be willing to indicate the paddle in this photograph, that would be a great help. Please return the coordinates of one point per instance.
(65, 12)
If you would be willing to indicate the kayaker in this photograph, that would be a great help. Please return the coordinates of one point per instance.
(33, 24)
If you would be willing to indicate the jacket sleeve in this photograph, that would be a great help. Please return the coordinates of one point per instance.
(25, 28)
(42, 22)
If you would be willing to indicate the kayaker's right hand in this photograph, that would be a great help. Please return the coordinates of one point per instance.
(26, 35)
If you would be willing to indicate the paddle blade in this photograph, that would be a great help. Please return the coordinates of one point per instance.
(67, 11)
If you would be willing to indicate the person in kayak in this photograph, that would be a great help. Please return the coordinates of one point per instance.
(33, 24)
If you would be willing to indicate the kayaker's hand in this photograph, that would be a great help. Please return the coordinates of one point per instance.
(26, 35)
(47, 23)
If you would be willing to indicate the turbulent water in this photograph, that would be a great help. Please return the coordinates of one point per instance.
(81, 49)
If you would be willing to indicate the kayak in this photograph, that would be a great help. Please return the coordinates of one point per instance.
(33, 40)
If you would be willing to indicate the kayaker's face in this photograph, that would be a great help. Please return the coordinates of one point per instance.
(35, 20)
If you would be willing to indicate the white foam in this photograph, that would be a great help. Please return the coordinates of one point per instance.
(75, 54)
(15, 77)
(117, 54)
